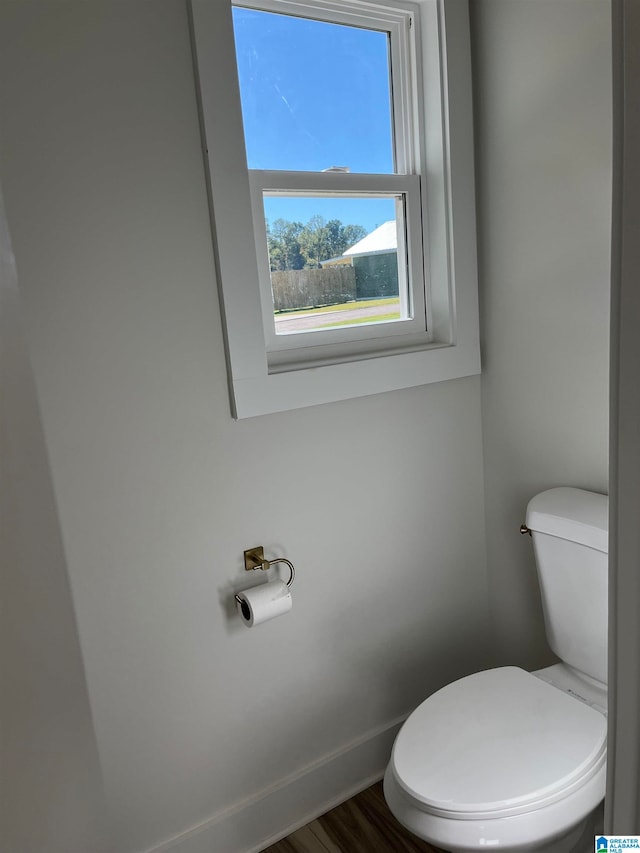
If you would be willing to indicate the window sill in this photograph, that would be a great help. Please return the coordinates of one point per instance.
(276, 392)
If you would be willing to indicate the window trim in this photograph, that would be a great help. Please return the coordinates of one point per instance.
(453, 350)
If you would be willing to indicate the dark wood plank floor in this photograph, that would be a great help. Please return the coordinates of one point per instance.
(363, 824)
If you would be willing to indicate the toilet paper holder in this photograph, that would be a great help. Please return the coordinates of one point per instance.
(254, 559)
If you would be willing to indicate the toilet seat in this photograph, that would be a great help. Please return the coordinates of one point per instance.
(496, 744)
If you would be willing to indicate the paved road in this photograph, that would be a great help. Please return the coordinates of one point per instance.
(288, 323)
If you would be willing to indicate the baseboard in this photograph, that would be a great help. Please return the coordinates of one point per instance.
(274, 813)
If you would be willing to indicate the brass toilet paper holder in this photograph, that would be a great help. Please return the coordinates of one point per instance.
(254, 559)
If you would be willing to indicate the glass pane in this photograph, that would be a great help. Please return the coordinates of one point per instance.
(336, 261)
(315, 96)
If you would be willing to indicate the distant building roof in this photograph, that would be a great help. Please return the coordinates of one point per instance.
(332, 262)
(383, 239)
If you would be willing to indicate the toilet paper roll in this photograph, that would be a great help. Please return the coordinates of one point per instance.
(264, 602)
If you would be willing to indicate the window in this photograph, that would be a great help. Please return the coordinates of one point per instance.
(315, 93)
(329, 134)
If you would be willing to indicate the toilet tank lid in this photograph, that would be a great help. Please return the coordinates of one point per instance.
(573, 514)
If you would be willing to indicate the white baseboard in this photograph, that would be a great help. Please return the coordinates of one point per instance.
(274, 813)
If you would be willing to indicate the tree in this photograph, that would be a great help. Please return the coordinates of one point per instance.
(353, 234)
(284, 245)
(293, 246)
(314, 242)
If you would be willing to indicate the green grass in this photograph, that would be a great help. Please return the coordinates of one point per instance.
(343, 306)
(377, 319)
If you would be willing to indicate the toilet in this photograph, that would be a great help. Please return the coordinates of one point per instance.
(516, 760)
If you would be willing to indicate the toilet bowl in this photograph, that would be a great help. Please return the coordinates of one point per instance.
(504, 759)
(514, 760)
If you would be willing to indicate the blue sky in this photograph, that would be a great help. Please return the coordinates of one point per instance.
(315, 95)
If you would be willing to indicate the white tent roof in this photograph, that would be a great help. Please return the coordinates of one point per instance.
(383, 239)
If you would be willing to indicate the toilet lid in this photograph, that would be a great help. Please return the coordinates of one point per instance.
(495, 743)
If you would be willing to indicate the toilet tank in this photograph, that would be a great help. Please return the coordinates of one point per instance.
(569, 528)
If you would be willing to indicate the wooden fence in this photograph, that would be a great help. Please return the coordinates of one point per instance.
(311, 288)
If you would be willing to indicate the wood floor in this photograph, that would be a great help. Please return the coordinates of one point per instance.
(363, 824)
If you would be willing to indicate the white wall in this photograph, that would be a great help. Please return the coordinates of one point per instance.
(542, 77)
(50, 784)
(379, 501)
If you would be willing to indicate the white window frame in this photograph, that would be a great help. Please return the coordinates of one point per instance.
(325, 346)
(312, 347)
(435, 175)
